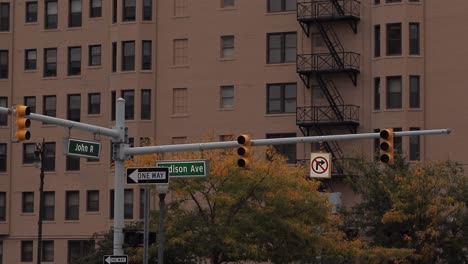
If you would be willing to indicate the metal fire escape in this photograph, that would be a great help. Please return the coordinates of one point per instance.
(322, 67)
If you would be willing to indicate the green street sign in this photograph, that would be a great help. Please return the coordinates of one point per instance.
(83, 148)
(185, 168)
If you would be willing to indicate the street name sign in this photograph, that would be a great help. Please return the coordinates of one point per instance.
(320, 165)
(83, 148)
(109, 259)
(186, 168)
(147, 175)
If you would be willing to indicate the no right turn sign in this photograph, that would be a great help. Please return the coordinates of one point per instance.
(320, 165)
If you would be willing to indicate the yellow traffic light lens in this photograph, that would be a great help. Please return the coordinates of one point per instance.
(384, 146)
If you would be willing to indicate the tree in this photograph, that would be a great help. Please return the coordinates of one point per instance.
(419, 206)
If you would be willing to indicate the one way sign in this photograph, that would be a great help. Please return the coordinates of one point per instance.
(149, 175)
(109, 259)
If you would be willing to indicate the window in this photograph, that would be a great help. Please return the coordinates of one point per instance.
(74, 107)
(48, 251)
(114, 56)
(414, 146)
(94, 55)
(49, 163)
(30, 101)
(28, 153)
(74, 15)
(377, 93)
(114, 11)
(74, 60)
(2, 206)
(129, 10)
(92, 201)
(49, 206)
(50, 62)
(4, 16)
(392, 1)
(414, 92)
(180, 52)
(4, 118)
(3, 64)
(50, 105)
(394, 92)
(145, 104)
(377, 145)
(129, 97)
(227, 47)
(31, 12)
(72, 163)
(51, 14)
(72, 209)
(78, 249)
(28, 202)
(3, 157)
(180, 8)
(377, 41)
(287, 150)
(113, 98)
(397, 142)
(95, 8)
(146, 55)
(147, 10)
(394, 39)
(179, 101)
(1, 252)
(227, 96)
(281, 5)
(227, 3)
(26, 251)
(128, 55)
(30, 59)
(94, 103)
(281, 98)
(111, 201)
(376, 2)
(128, 203)
(281, 47)
(142, 203)
(414, 38)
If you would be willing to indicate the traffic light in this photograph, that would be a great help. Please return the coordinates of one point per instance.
(22, 122)
(243, 151)
(386, 145)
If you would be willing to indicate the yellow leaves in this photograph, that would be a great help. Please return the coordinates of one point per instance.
(394, 216)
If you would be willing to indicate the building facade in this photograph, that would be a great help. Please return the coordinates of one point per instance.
(189, 70)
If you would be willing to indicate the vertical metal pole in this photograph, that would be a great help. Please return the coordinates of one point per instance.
(41, 203)
(119, 178)
(146, 225)
(162, 238)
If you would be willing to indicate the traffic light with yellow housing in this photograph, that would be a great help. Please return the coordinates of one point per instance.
(386, 145)
(243, 151)
(22, 122)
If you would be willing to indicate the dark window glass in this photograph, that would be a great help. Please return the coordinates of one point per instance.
(28, 153)
(95, 8)
(1, 252)
(377, 93)
(74, 15)
(4, 118)
(47, 250)
(397, 142)
(3, 64)
(146, 55)
(31, 12)
(92, 201)
(147, 9)
(4, 16)
(281, 98)
(49, 163)
(50, 62)
(145, 104)
(114, 56)
(78, 249)
(28, 202)
(128, 55)
(129, 97)
(72, 163)
(72, 209)
(113, 98)
(30, 101)
(414, 38)
(394, 92)
(50, 105)
(3, 157)
(227, 3)
(281, 5)
(392, 1)
(2, 206)
(377, 41)
(414, 92)
(128, 204)
(281, 47)
(49, 206)
(26, 251)
(111, 206)
(74, 60)
(287, 150)
(129, 10)
(376, 2)
(74, 107)
(30, 59)
(415, 147)
(114, 11)
(51, 14)
(94, 103)
(394, 39)
(94, 55)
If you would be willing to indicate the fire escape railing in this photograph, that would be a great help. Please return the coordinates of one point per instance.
(327, 9)
(326, 62)
(325, 114)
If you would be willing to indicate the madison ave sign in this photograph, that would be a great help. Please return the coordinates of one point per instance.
(185, 168)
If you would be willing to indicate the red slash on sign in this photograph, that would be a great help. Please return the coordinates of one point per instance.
(319, 165)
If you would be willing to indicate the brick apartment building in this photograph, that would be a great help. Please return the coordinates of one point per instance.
(194, 68)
